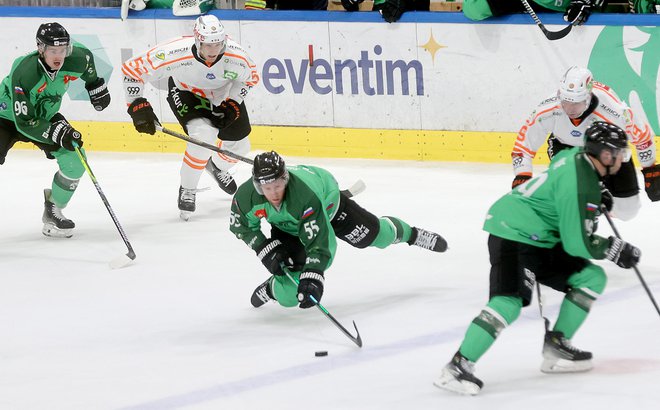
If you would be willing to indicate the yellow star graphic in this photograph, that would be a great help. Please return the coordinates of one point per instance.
(432, 47)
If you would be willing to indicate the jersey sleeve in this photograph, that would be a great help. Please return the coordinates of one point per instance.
(317, 236)
(244, 223)
(641, 136)
(246, 78)
(531, 137)
(577, 201)
(137, 71)
(89, 73)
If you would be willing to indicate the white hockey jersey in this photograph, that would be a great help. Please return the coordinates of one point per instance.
(232, 76)
(549, 117)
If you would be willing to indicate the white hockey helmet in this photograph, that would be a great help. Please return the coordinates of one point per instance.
(208, 29)
(576, 85)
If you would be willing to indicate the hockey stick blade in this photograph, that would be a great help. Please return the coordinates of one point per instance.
(123, 260)
(357, 188)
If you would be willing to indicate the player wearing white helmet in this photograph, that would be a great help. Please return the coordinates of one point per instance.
(563, 118)
(209, 77)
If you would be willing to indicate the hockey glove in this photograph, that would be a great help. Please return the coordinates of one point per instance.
(622, 253)
(63, 134)
(351, 5)
(519, 180)
(606, 198)
(99, 95)
(652, 182)
(391, 10)
(555, 146)
(273, 254)
(225, 113)
(143, 116)
(311, 284)
(579, 11)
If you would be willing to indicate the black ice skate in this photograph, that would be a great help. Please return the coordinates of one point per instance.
(559, 356)
(427, 240)
(223, 178)
(186, 202)
(458, 377)
(262, 294)
(56, 225)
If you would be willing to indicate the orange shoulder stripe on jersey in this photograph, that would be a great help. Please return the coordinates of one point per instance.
(241, 58)
(555, 107)
(612, 96)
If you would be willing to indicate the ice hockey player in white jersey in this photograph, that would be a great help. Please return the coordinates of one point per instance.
(209, 77)
(563, 118)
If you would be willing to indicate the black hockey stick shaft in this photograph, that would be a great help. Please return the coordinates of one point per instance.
(550, 35)
(355, 339)
(639, 274)
(204, 144)
(131, 253)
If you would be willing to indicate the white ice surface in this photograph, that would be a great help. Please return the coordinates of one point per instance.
(176, 329)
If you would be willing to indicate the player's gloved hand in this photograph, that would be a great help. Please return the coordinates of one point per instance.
(606, 198)
(519, 180)
(652, 182)
(351, 5)
(143, 116)
(273, 254)
(99, 95)
(578, 11)
(64, 135)
(391, 10)
(555, 146)
(226, 113)
(622, 253)
(311, 284)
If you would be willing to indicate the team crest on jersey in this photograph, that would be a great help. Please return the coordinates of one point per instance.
(160, 55)
(210, 76)
(576, 133)
(260, 213)
(230, 75)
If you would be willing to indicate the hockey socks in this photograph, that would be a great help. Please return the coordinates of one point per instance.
(585, 285)
(392, 230)
(500, 312)
(62, 189)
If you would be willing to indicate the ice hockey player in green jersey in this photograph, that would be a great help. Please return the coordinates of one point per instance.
(543, 231)
(30, 98)
(307, 211)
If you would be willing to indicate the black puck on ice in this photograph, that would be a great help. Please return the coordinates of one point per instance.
(321, 353)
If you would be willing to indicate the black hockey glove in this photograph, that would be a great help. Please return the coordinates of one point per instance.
(519, 180)
(311, 284)
(273, 254)
(99, 95)
(579, 11)
(225, 113)
(143, 116)
(64, 135)
(351, 5)
(606, 198)
(391, 10)
(652, 182)
(622, 253)
(555, 146)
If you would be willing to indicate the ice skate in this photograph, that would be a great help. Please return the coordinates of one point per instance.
(262, 294)
(186, 202)
(559, 356)
(427, 240)
(458, 377)
(223, 178)
(56, 225)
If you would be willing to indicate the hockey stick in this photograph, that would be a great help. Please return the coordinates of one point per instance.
(124, 260)
(356, 339)
(550, 35)
(123, 13)
(358, 187)
(546, 322)
(639, 275)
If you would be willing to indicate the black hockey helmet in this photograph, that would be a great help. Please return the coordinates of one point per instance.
(603, 136)
(267, 168)
(53, 34)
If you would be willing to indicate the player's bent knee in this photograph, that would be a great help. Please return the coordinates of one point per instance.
(592, 277)
(285, 291)
(507, 307)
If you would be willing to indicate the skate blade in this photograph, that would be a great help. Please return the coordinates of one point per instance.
(185, 215)
(53, 231)
(450, 383)
(566, 366)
